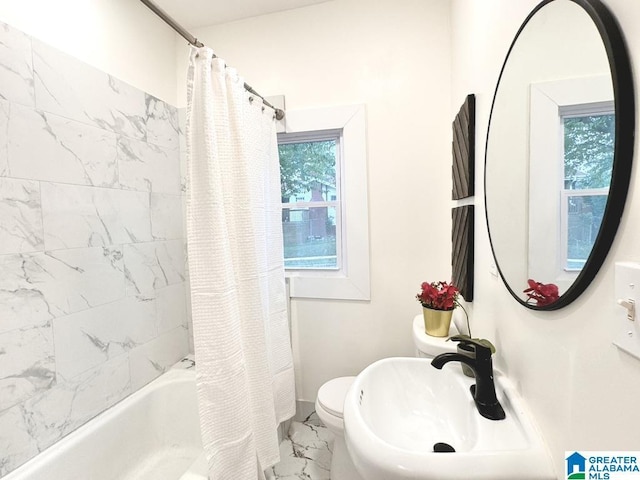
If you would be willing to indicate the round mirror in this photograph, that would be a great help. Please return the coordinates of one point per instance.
(559, 151)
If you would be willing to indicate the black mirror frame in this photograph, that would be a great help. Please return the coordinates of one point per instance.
(624, 106)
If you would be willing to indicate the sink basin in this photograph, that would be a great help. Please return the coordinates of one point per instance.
(398, 409)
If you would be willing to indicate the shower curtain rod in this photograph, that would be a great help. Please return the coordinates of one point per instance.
(196, 43)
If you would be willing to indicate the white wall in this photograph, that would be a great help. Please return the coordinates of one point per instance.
(582, 390)
(121, 37)
(393, 56)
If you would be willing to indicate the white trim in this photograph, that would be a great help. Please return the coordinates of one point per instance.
(352, 281)
(548, 101)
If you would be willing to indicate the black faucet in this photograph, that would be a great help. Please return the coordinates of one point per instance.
(484, 391)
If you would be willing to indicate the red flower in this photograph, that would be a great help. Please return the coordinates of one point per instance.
(438, 295)
(543, 294)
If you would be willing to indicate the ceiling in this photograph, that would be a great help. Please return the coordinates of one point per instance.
(200, 13)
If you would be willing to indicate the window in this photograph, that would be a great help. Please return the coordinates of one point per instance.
(311, 213)
(589, 137)
(325, 216)
(571, 126)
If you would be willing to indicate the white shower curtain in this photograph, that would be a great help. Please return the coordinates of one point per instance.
(244, 365)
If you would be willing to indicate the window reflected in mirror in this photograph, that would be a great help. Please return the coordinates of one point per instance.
(587, 160)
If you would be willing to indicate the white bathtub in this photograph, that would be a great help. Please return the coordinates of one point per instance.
(153, 434)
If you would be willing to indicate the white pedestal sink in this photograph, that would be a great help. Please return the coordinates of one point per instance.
(398, 408)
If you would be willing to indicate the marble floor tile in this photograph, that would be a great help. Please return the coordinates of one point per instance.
(306, 452)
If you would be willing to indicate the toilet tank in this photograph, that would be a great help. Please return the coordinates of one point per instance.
(427, 346)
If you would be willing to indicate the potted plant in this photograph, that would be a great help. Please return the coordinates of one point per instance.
(438, 300)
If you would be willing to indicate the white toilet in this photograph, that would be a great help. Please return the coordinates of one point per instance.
(331, 395)
(329, 407)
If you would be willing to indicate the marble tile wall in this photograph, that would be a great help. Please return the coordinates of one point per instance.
(92, 252)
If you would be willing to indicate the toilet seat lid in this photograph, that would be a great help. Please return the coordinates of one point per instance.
(331, 395)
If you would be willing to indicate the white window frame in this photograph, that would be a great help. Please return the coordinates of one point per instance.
(548, 101)
(352, 280)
